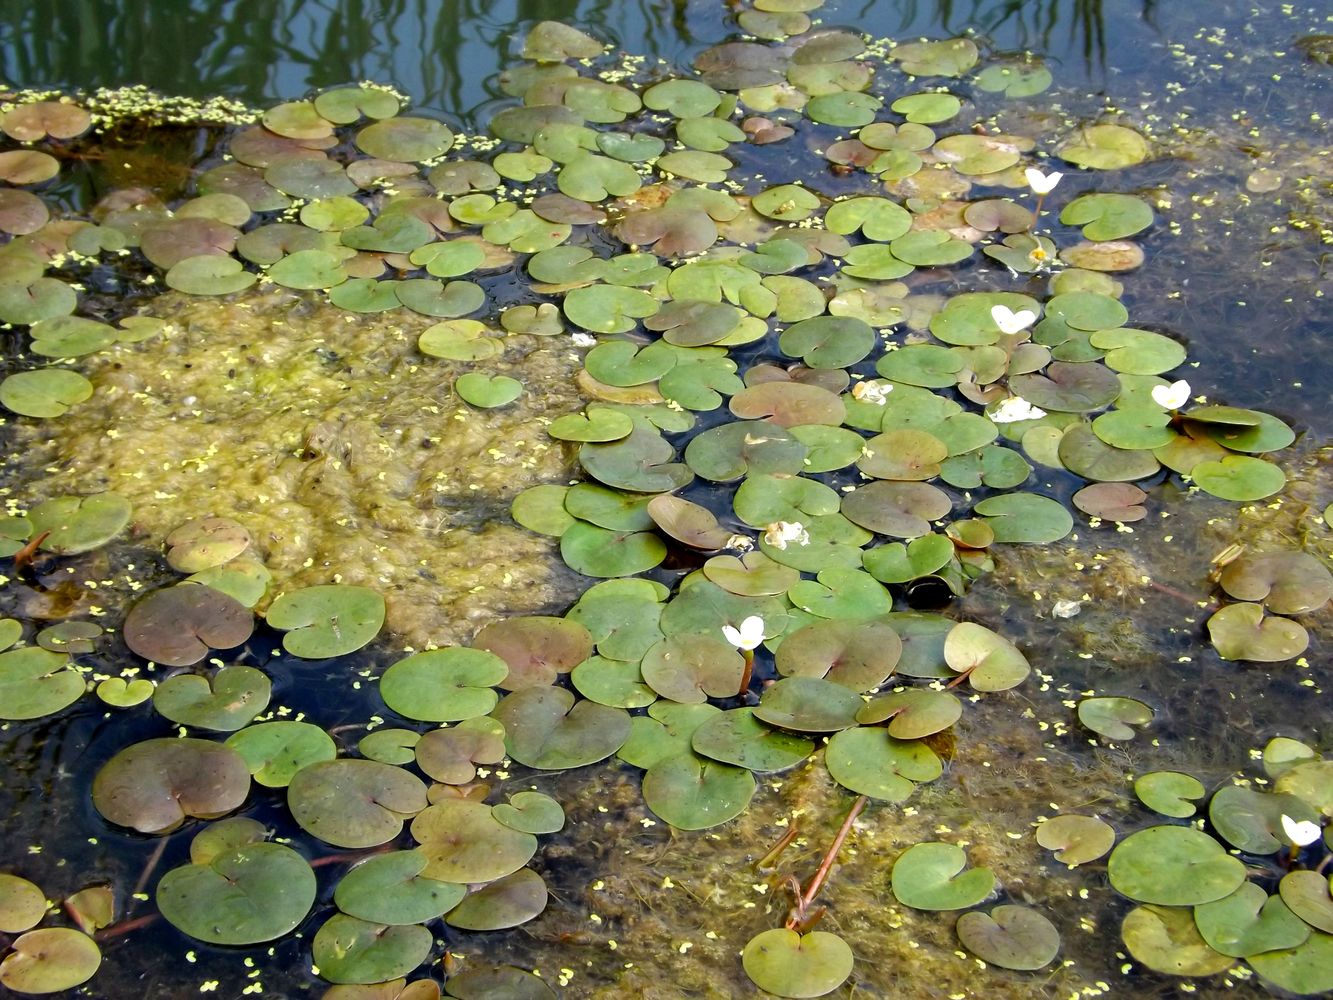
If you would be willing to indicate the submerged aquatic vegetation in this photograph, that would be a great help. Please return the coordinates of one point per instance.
(753, 502)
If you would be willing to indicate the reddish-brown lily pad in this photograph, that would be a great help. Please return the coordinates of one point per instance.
(179, 625)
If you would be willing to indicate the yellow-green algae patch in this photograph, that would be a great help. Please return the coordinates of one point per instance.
(343, 450)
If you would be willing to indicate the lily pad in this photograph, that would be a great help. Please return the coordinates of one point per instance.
(1304, 970)
(1242, 632)
(1120, 502)
(204, 543)
(22, 904)
(275, 751)
(913, 712)
(530, 812)
(857, 654)
(1285, 582)
(1114, 717)
(1025, 517)
(178, 625)
(390, 889)
(350, 950)
(692, 793)
(506, 902)
(869, 761)
(1249, 922)
(1011, 937)
(1108, 216)
(790, 964)
(250, 894)
(1171, 793)
(36, 682)
(1076, 840)
(1173, 866)
(930, 876)
(444, 685)
(327, 621)
(1252, 820)
(226, 702)
(44, 392)
(79, 524)
(465, 843)
(736, 737)
(989, 661)
(1165, 939)
(691, 668)
(1104, 147)
(809, 705)
(154, 785)
(50, 960)
(1306, 893)
(354, 803)
(547, 729)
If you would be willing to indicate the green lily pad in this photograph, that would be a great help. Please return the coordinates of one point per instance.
(50, 960)
(930, 876)
(530, 812)
(443, 685)
(612, 682)
(44, 392)
(1165, 939)
(22, 904)
(828, 341)
(688, 522)
(1282, 753)
(389, 889)
(496, 982)
(1025, 517)
(1108, 216)
(622, 617)
(554, 41)
(1251, 820)
(27, 303)
(1306, 893)
(790, 964)
(898, 509)
(808, 705)
(950, 57)
(913, 712)
(869, 761)
(354, 803)
(250, 894)
(1242, 430)
(388, 746)
(209, 274)
(844, 109)
(1171, 793)
(1285, 582)
(692, 793)
(465, 843)
(1011, 937)
(857, 654)
(1069, 387)
(1138, 352)
(327, 621)
(350, 950)
(1304, 970)
(506, 902)
(204, 543)
(244, 580)
(71, 336)
(275, 751)
(750, 575)
(666, 731)
(927, 108)
(547, 729)
(35, 682)
(1076, 840)
(600, 552)
(1014, 80)
(744, 447)
(154, 785)
(786, 203)
(226, 702)
(1104, 147)
(988, 660)
(488, 391)
(736, 737)
(1249, 922)
(1114, 717)
(1241, 632)
(690, 668)
(79, 524)
(405, 139)
(1174, 866)
(1312, 781)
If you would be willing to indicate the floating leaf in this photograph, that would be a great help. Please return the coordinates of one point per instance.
(179, 625)
(790, 964)
(1076, 840)
(443, 685)
(327, 621)
(506, 902)
(390, 889)
(50, 960)
(349, 950)
(1120, 502)
(988, 660)
(1249, 922)
(253, 893)
(1306, 893)
(868, 761)
(1304, 969)
(1170, 793)
(859, 655)
(497, 982)
(1104, 147)
(405, 139)
(808, 705)
(692, 793)
(913, 712)
(691, 668)
(1025, 517)
(45, 392)
(1012, 937)
(204, 543)
(1252, 821)
(951, 57)
(930, 876)
(465, 843)
(226, 702)
(1287, 583)
(531, 812)
(736, 737)
(354, 803)
(275, 751)
(22, 904)
(1241, 632)
(1165, 939)
(1174, 866)
(154, 785)
(1108, 216)
(1114, 717)
(35, 682)
(209, 274)
(547, 729)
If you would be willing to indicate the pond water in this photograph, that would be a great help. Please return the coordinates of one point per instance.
(378, 418)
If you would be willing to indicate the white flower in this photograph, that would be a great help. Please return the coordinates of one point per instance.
(1173, 396)
(779, 533)
(1042, 183)
(1012, 322)
(1013, 409)
(872, 392)
(1299, 834)
(584, 339)
(748, 636)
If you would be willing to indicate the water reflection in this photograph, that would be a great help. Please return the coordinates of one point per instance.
(445, 53)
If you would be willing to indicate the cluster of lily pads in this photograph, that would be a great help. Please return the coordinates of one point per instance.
(782, 435)
(1247, 881)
